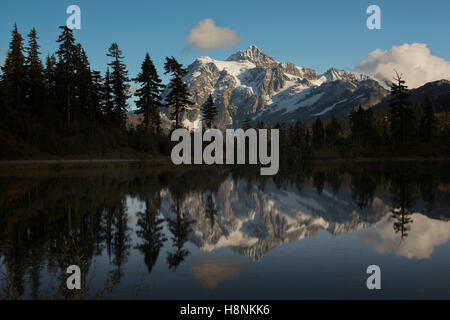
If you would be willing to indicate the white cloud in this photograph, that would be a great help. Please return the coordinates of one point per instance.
(414, 61)
(207, 36)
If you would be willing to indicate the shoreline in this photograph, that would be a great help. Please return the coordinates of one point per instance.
(167, 161)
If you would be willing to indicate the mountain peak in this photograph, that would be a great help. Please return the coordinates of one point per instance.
(254, 55)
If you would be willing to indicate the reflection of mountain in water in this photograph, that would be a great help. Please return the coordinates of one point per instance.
(252, 221)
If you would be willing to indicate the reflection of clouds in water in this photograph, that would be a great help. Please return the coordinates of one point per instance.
(379, 207)
(209, 271)
(133, 206)
(424, 236)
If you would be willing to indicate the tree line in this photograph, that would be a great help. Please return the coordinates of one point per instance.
(66, 107)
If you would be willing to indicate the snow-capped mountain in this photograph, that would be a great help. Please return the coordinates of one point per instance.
(252, 85)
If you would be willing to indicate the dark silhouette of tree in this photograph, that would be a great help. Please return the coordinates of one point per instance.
(119, 85)
(83, 89)
(429, 122)
(34, 74)
(332, 131)
(14, 73)
(149, 95)
(50, 83)
(180, 229)
(178, 98)
(209, 111)
(403, 198)
(363, 187)
(319, 181)
(400, 111)
(318, 134)
(107, 98)
(97, 96)
(120, 239)
(65, 70)
(150, 230)
(210, 210)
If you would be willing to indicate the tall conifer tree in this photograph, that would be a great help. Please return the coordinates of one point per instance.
(149, 95)
(178, 98)
(65, 70)
(209, 111)
(400, 111)
(119, 85)
(34, 74)
(14, 72)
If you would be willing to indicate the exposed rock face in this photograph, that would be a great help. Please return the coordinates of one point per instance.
(252, 85)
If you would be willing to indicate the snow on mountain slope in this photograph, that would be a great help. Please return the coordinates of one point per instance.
(252, 85)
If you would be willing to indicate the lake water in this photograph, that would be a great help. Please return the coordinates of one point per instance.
(306, 233)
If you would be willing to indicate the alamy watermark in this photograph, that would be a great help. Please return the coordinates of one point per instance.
(374, 20)
(74, 280)
(374, 281)
(74, 20)
(235, 141)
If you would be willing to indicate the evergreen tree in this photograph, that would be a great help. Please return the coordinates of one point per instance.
(429, 123)
(416, 123)
(107, 98)
(14, 72)
(83, 84)
(119, 85)
(356, 126)
(178, 98)
(318, 134)
(50, 79)
(299, 134)
(97, 96)
(332, 131)
(247, 125)
(65, 71)
(149, 95)
(34, 74)
(2, 94)
(400, 112)
(209, 111)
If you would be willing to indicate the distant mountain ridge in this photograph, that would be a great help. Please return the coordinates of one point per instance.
(437, 91)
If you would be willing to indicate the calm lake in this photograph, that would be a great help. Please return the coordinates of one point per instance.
(305, 233)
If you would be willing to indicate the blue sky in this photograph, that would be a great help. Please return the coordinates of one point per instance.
(319, 34)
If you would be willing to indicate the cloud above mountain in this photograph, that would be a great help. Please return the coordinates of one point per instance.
(207, 36)
(414, 61)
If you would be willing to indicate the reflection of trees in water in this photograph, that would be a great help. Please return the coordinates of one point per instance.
(55, 222)
(428, 187)
(60, 222)
(210, 210)
(120, 238)
(363, 187)
(319, 181)
(150, 230)
(403, 197)
(180, 229)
